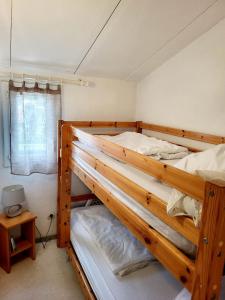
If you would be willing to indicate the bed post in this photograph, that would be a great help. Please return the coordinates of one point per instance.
(138, 127)
(60, 123)
(211, 248)
(64, 187)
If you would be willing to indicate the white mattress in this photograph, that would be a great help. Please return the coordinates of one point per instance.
(144, 180)
(145, 284)
(141, 178)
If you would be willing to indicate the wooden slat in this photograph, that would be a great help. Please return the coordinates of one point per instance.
(211, 251)
(151, 202)
(112, 124)
(87, 290)
(105, 124)
(189, 184)
(192, 135)
(173, 259)
(83, 197)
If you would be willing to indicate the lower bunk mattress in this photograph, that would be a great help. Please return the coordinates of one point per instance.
(150, 283)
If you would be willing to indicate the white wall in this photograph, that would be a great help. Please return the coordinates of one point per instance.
(105, 100)
(188, 91)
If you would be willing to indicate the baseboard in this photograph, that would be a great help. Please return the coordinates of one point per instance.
(44, 239)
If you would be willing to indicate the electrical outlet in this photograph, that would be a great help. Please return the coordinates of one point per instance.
(51, 216)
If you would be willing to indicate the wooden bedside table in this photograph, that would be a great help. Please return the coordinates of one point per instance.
(24, 244)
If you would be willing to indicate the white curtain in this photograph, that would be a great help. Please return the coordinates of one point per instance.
(34, 113)
(4, 94)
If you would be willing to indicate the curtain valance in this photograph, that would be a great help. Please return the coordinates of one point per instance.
(36, 87)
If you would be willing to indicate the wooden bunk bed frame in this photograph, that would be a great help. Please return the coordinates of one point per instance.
(202, 276)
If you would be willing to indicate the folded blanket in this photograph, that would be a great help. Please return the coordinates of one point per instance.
(209, 164)
(123, 252)
(148, 145)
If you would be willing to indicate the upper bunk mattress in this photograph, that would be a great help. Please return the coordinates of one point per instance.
(144, 284)
(144, 180)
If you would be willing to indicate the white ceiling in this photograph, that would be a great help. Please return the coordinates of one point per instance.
(54, 35)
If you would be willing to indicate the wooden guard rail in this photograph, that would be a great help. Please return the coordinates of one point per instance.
(101, 124)
(189, 184)
(193, 135)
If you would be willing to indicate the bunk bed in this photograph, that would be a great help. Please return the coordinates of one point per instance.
(194, 274)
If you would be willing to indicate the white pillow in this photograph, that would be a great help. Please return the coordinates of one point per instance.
(209, 164)
(212, 159)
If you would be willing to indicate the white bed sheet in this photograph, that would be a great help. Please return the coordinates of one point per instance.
(172, 235)
(150, 283)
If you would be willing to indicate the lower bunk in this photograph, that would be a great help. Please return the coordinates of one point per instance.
(144, 284)
(99, 282)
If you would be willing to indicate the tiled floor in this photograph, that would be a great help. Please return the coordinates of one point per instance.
(50, 276)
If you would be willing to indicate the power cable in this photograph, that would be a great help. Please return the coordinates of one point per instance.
(92, 44)
(10, 34)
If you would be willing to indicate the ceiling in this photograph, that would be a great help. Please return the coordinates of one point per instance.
(56, 35)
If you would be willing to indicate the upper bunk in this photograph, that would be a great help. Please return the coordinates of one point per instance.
(76, 146)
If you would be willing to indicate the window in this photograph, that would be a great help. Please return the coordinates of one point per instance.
(34, 113)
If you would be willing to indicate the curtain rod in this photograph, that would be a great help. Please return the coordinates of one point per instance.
(19, 77)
